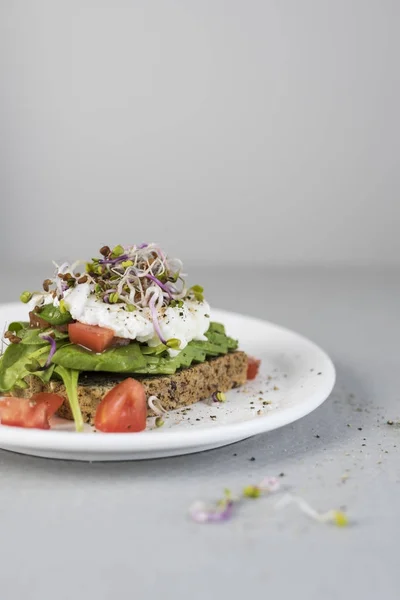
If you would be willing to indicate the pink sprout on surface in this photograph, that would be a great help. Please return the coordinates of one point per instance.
(200, 512)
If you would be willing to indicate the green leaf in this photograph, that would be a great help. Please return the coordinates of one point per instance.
(70, 379)
(54, 315)
(14, 362)
(20, 385)
(34, 336)
(143, 359)
(20, 359)
(46, 375)
(115, 360)
(17, 326)
(153, 349)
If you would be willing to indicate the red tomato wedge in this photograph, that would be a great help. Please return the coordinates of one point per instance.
(123, 409)
(20, 412)
(52, 401)
(252, 367)
(29, 412)
(91, 336)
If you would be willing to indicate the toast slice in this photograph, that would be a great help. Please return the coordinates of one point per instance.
(183, 388)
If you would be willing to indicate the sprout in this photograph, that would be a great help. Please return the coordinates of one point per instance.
(174, 343)
(117, 251)
(25, 297)
(335, 517)
(159, 422)
(339, 518)
(197, 292)
(154, 317)
(135, 277)
(197, 289)
(53, 348)
(201, 512)
(155, 405)
(46, 284)
(105, 251)
(219, 397)
(252, 491)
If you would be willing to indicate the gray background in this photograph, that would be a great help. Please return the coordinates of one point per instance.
(254, 131)
(226, 130)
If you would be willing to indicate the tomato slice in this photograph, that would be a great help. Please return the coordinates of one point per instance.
(21, 412)
(253, 366)
(52, 401)
(32, 413)
(37, 417)
(123, 409)
(91, 336)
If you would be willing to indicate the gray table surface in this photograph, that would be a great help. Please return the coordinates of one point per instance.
(79, 530)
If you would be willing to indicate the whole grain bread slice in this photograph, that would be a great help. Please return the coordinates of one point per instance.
(183, 388)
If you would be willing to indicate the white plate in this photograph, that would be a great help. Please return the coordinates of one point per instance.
(295, 378)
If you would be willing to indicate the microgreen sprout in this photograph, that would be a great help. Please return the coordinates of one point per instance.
(155, 405)
(204, 513)
(197, 292)
(117, 251)
(25, 297)
(219, 397)
(252, 491)
(135, 277)
(174, 343)
(335, 517)
(53, 348)
(62, 307)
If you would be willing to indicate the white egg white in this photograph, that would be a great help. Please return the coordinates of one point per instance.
(186, 323)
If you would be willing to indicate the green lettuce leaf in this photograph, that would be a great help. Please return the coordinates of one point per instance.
(16, 359)
(53, 315)
(26, 358)
(70, 379)
(140, 359)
